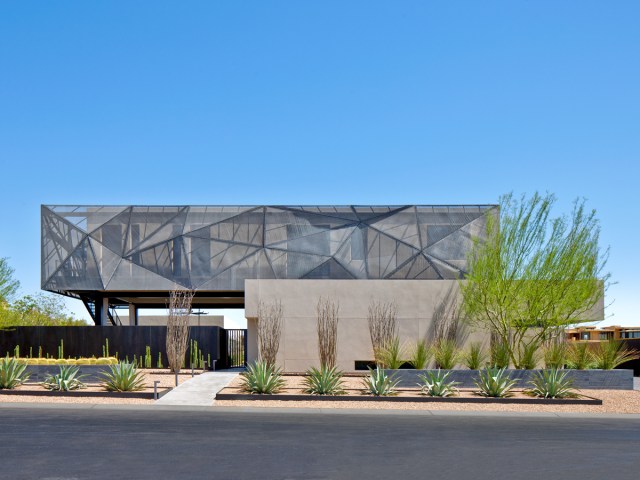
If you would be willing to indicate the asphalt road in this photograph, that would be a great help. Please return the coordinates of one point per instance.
(146, 444)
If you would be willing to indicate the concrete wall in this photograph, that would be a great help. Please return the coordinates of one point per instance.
(161, 320)
(421, 304)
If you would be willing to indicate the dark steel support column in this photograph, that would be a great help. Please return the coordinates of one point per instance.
(98, 310)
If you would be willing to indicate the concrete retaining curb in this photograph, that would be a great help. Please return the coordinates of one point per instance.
(416, 398)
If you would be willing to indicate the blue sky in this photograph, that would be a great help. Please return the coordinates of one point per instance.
(321, 102)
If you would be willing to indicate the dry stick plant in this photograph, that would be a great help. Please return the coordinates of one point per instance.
(327, 326)
(178, 328)
(383, 326)
(269, 331)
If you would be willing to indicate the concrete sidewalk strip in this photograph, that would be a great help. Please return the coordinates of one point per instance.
(198, 391)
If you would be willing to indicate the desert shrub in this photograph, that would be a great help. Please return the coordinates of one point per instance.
(269, 330)
(324, 381)
(12, 373)
(327, 328)
(446, 354)
(552, 383)
(435, 384)
(382, 319)
(420, 355)
(494, 382)
(475, 357)
(391, 355)
(610, 354)
(66, 380)
(500, 355)
(380, 384)
(262, 378)
(123, 377)
(106, 361)
(580, 356)
(555, 355)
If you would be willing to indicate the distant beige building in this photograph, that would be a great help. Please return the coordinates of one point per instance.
(595, 334)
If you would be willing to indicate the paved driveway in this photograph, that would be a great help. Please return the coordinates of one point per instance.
(155, 443)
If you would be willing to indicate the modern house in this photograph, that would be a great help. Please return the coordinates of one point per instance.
(131, 257)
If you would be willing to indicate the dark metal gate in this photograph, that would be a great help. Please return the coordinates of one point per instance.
(233, 348)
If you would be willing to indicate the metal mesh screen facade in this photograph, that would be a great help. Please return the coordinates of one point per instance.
(215, 248)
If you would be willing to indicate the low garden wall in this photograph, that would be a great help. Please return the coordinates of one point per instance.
(582, 379)
(93, 373)
(38, 373)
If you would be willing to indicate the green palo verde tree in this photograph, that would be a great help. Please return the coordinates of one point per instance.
(40, 309)
(534, 275)
(8, 285)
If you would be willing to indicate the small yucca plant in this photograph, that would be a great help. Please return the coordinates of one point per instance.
(500, 355)
(420, 356)
(555, 355)
(610, 354)
(580, 356)
(262, 378)
(380, 384)
(435, 384)
(391, 356)
(529, 356)
(324, 381)
(494, 382)
(12, 373)
(446, 354)
(123, 377)
(475, 357)
(64, 381)
(552, 383)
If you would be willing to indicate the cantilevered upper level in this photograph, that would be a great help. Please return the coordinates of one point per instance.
(89, 249)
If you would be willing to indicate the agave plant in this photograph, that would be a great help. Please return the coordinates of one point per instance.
(324, 381)
(123, 377)
(435, 384)
(610, 354)
(475, 357)
(552, 383)
(580, 356)
(262, 378)
(420, 356)
(494, 382)
(391, 356)
(380, 384)
(12, 373)
(66, 380)
(446, 354)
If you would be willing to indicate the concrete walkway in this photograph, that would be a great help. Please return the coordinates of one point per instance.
(198, 391)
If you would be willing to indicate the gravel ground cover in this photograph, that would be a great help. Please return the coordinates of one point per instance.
(165, 378)
(614, 401)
